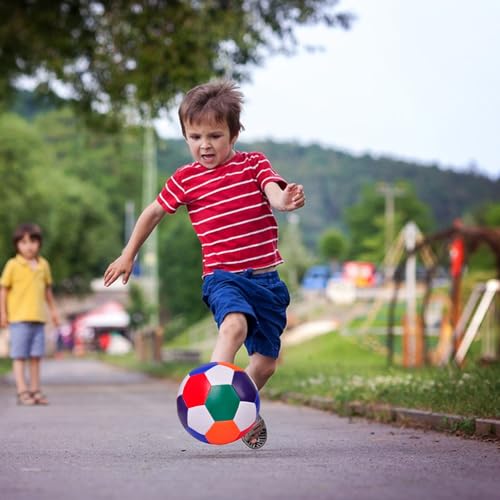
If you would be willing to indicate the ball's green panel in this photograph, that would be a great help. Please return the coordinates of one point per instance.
(222, 402)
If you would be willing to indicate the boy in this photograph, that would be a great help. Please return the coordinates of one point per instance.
(229, 196)
(25, 290)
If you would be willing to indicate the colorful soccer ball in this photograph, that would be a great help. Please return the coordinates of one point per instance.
(217, 403)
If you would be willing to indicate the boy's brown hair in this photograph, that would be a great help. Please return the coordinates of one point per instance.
(33, 230)
(220, 100)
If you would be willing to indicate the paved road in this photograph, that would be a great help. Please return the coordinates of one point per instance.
(114, 435)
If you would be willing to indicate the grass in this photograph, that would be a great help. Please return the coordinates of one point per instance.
(335, 367)
(5, 366)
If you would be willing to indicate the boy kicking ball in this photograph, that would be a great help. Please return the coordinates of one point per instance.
(230, 196)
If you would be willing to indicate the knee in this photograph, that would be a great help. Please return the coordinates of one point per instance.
(269, 369)
(265, 368)
(234, 327)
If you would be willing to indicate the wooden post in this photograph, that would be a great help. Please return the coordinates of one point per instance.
(412, 331)
(158, 343)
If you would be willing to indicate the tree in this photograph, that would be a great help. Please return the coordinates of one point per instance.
(332, 245)
(180, 268)
(366, 220)
(73, 214)
(295, 254)
(21, 153)
(486, 216)
(143, 53)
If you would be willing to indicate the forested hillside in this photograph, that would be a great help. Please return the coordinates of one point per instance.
(333, 181)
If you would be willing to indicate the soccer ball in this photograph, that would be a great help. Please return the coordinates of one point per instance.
(218, 403)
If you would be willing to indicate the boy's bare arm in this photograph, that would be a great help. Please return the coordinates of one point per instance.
(49, 297)
(285, 200)
(3, 307)
(145, 224)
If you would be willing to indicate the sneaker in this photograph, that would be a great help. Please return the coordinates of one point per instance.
(256, 437)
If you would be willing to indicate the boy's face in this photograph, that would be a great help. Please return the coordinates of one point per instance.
(209, 142)
(28, 247)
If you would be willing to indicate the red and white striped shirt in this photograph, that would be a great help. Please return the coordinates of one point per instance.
(229, 211)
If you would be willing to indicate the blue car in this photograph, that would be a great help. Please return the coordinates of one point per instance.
(316, 278)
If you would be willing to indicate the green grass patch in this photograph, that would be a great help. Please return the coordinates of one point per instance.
(339, 368)
(5, 366)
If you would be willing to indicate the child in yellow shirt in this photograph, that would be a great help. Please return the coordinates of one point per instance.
(25, 291)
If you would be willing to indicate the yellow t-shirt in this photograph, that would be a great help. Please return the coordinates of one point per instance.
(26, 300)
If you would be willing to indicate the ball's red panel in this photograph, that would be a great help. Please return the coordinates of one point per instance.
(223, 432)
(196, 390)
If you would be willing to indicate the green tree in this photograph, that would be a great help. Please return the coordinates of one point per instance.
(142, 53)
(332, 245)
(366, 220)
(296, 256)
(74, 215)
(180, 268)
(111, 162)
(21, 152)
(488, 215)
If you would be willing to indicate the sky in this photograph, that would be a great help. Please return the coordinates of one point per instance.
(414, 80)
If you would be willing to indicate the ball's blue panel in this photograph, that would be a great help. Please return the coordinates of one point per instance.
(197, 435)
(202, 368)
(244, 387)
(182, 411)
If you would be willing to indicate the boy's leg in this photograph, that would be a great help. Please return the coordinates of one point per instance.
(36, 393)
(34, 369)
(261, 368)
(23, 395)
(232, 333)
(18, 368)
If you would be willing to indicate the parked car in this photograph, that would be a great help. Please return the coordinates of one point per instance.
(316, 278)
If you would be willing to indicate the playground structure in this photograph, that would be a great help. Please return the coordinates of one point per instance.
(458, 328)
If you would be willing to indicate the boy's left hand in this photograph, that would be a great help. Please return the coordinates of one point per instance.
(55, 319)
(293, 197)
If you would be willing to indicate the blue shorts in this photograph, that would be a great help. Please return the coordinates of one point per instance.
(27, 340)
(262, 298)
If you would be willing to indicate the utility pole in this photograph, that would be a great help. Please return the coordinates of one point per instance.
(390, 192)
(150, 248)
(129, 220)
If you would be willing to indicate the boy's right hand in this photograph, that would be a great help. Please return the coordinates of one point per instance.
(121, 266)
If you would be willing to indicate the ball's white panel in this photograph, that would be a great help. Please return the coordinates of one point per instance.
(199, 419)
(246, 414)
(183, 384)
(220, 374)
